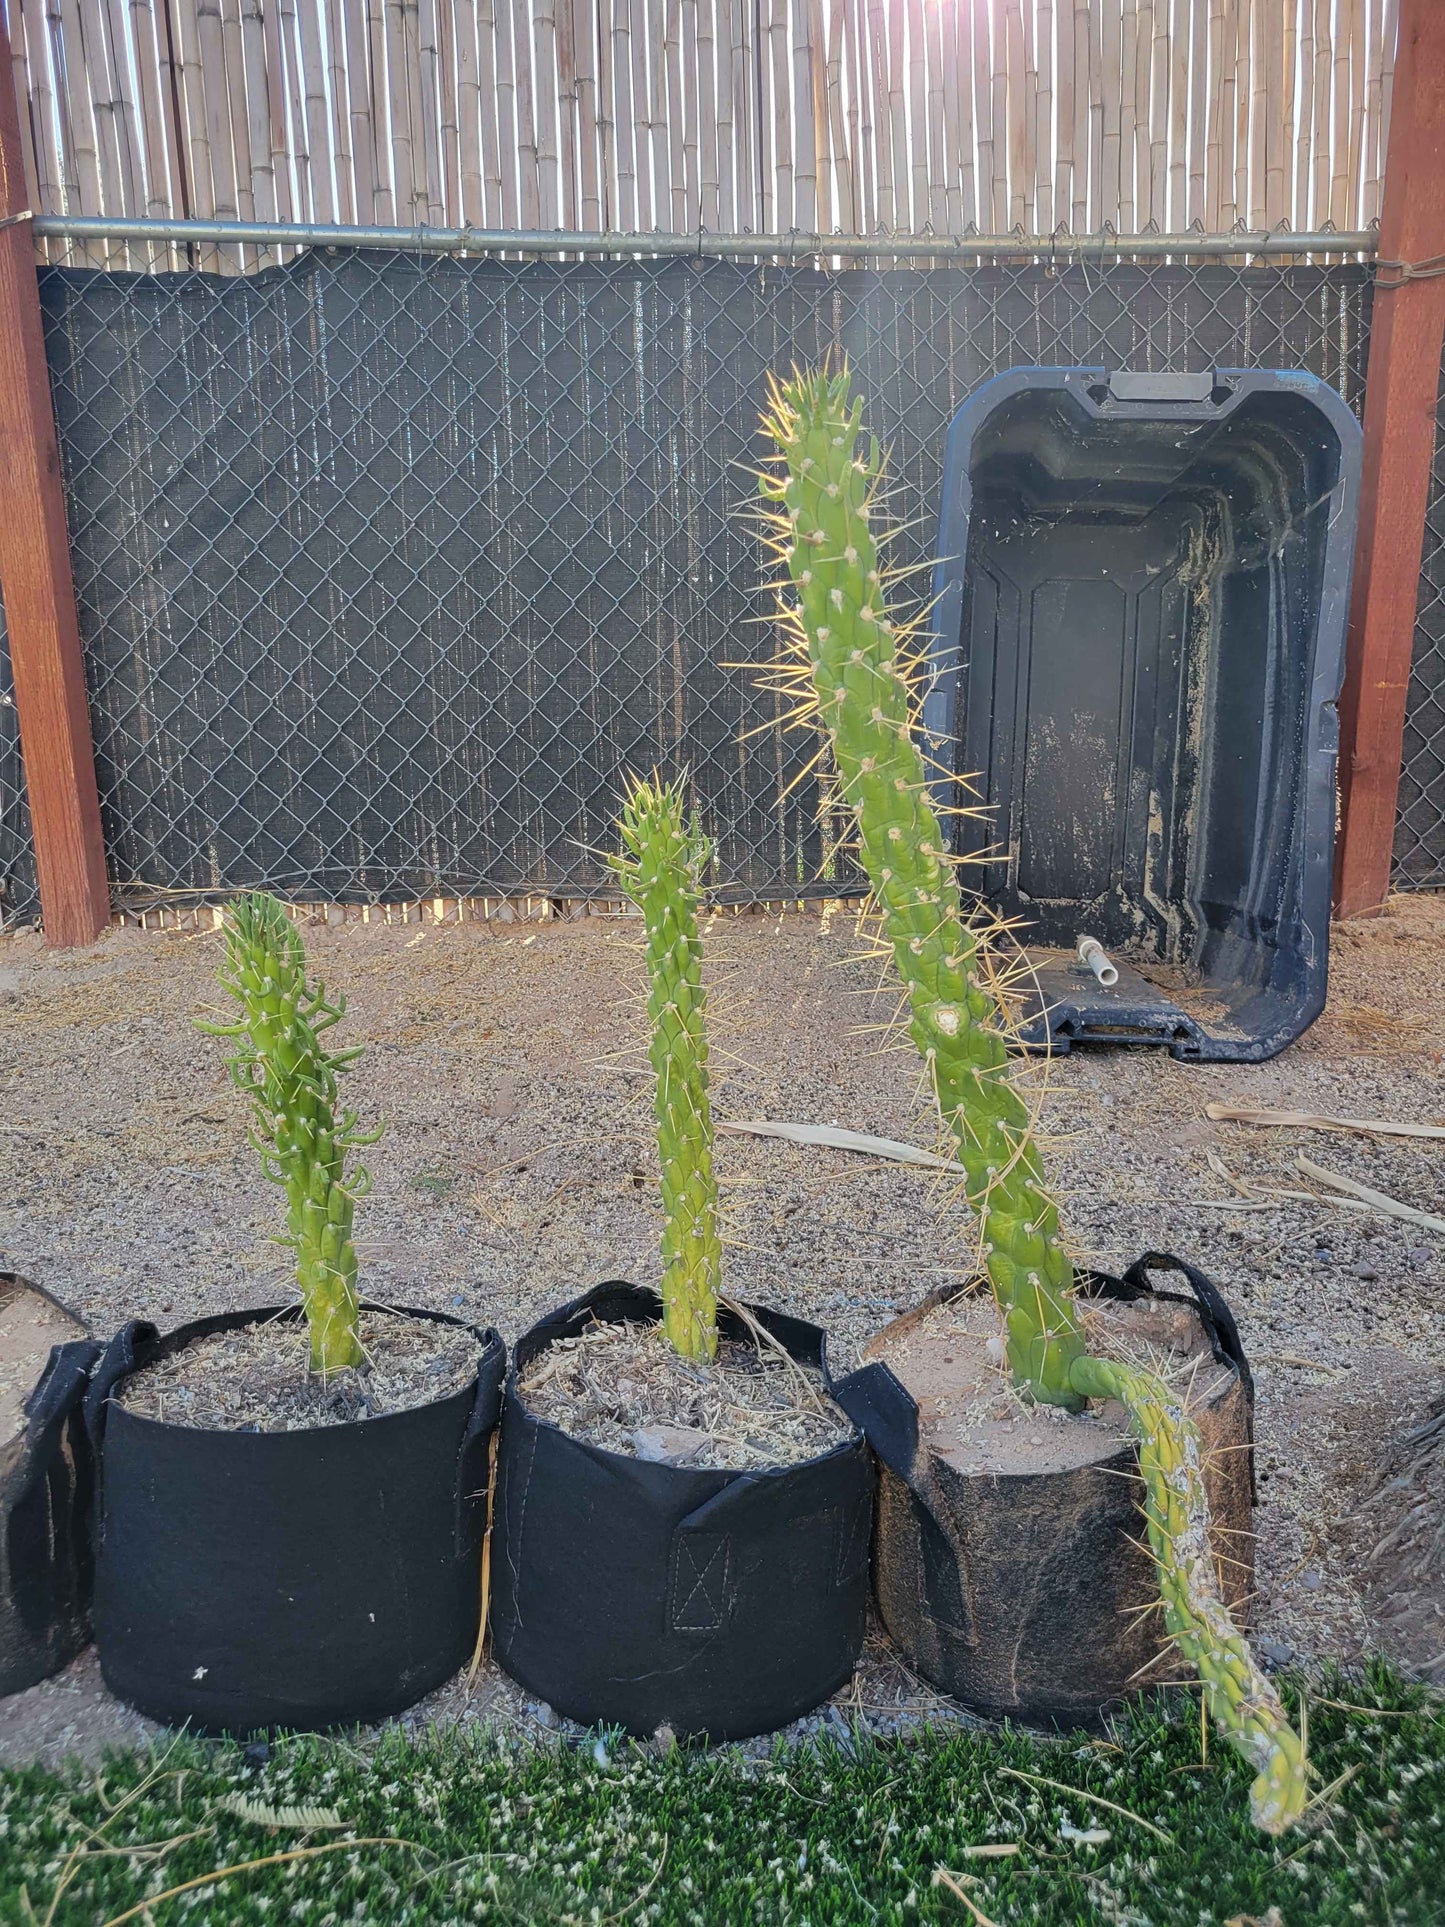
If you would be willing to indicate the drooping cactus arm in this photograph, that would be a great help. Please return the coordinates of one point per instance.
(292, 1082)
(660, 867)
(1242, 1701)
(865, 704)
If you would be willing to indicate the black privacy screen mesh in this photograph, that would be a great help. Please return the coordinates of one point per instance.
(390, 567)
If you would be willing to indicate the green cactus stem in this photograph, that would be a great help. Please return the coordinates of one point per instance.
(660, 865)
(866, 705)
(849, 658)
(291, 1079)
(1242, 1701)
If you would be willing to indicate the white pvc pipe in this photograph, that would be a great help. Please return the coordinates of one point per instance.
(1093, 953)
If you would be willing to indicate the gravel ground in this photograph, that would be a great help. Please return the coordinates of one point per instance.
(517, 1170)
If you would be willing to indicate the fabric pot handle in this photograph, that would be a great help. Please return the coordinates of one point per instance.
(134, 1345)
(473, 1452)
(60, 1392)
(885, 1413)
(1218, 1319)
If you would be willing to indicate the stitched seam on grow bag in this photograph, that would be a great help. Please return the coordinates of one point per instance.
(853, 1537)
(707, 1581)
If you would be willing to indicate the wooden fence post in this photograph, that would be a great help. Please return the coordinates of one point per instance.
(1401, 394)
(35, 581)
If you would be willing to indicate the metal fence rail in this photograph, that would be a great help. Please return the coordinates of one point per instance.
(389, 567)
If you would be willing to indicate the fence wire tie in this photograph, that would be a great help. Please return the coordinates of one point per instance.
(1402, 271)
(14, 220)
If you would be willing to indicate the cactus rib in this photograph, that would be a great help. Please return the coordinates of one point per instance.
(660, 866)
(1242, 1701)
(291, 1079)
(850, 661)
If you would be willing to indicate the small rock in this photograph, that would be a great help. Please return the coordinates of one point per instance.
(1323, 1255)
(668, 1444)
(1275, 1651)
(257, 1753)
(1310, 1580)
(1420, 1255)
(1367, 1272)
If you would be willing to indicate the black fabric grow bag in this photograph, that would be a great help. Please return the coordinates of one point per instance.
(639, 1595)
(308, 1579)
(46, 1489)
(1023, 1595)
(1140, 641)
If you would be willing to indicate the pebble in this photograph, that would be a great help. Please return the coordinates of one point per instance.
(1310, 1580)
(1275, 1651)
(1420, 1255)
(1366, 1272)
(1323, 1255)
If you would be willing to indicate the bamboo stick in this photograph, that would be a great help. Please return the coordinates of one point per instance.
(1178, 169)
(565, 54)
(473, 31)
(884, 210)
(163, 195)
(619, 109)
(29, 91)
(1110, 32)
(785, 213)
(911, 20)
(1144, 210)
(315, 113)
(1340, 119)
(674, 211)
(688, 108)
(122, 87)
(998, 109)
(524, 76)
(1123, 217)
(1064, 119)
(1357, 109)
(1197, 75)
(939, 165)
(448, 104)
(1390, 38)
(233, 78)
(1023, 104)
(424, 54)
(646, 55)
(961, 139)
(35, 82)
(805, 136)
(1096, 109)
(1086, 141)
(1278, 105)
(830, 60)
(585, 60)
(379, 112)
(1159, 116)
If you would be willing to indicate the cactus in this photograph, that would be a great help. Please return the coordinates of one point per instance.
(848, 657)
(1241, 1700)
(291, 1079)
(660, 866)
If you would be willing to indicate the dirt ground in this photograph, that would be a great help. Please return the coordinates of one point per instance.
(517, 1170)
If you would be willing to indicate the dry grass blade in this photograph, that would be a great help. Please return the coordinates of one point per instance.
(249, 1866)
(892, 1149)
(763, 1337)
(1380, 1200)
(952, 1884)
(486, 1606)
(1317, 1121)
(1090, 1799)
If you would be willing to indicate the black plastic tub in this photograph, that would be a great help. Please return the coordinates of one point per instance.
(1027, 1596)
(1139, 645)
(46, 1485)
(308, 1579)
(629, 1594)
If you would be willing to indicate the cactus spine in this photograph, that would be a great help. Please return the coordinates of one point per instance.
(291, 1079)
(661, 864)
(849, 658)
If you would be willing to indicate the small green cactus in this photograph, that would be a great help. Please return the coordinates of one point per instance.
(661, 865)
(848, 658)
(291, 1079)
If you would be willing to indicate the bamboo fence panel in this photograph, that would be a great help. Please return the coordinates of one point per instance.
(850, 116)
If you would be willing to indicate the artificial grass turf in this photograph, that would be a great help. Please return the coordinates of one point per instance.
(837, 1831)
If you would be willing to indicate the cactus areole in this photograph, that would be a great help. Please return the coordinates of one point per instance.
(847, 657)
(291, 1079)
(660, 865)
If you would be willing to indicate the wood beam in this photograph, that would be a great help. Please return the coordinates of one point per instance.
(36, 583)
(1401, 395)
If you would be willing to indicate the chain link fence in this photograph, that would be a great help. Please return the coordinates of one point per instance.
(1420, 825)
(390, 567)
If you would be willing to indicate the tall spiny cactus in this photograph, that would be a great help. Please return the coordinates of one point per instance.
(291, 1080)
(847, 655)
(661, 865)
